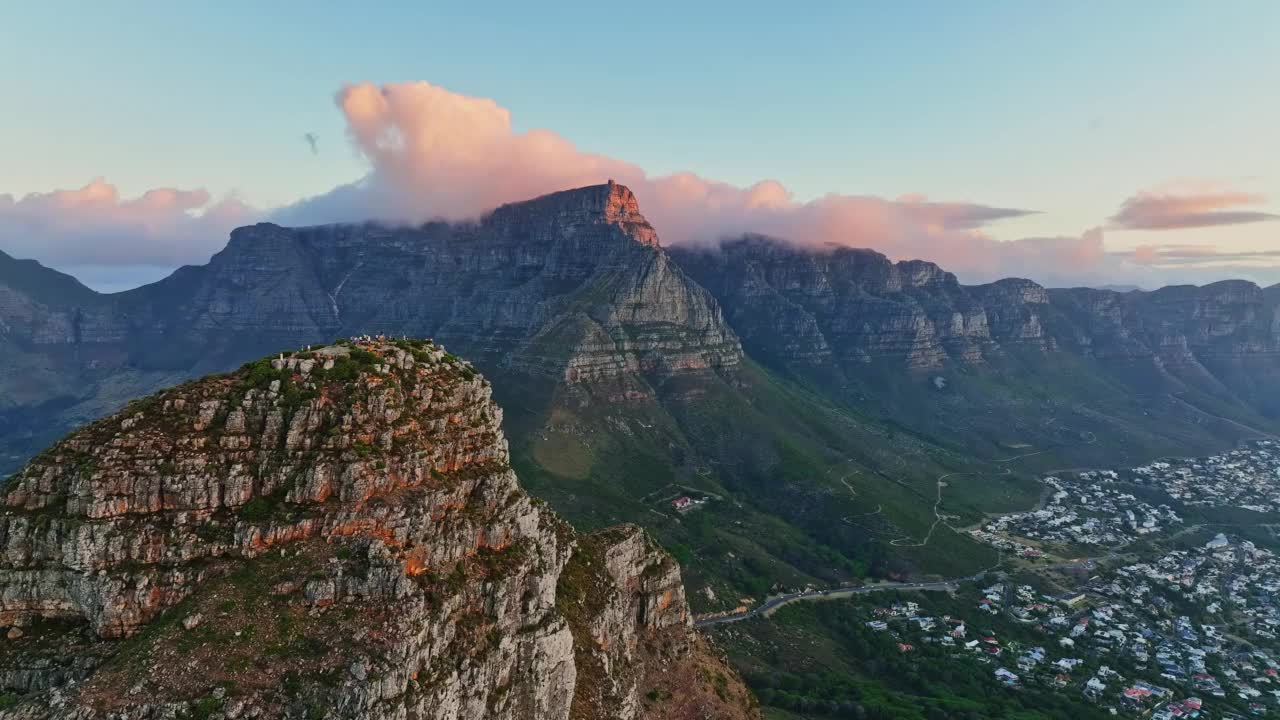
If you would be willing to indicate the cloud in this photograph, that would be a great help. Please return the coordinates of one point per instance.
(94, 226)
(1193, 207)
(955, 216)
(1206, 255)
(436, 154)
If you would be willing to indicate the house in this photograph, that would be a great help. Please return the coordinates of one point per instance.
(684, 502)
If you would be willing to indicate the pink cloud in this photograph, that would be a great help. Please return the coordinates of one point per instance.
(93, 225)
(436, 154)
(1200, 255)
(954, 215)
(1201, 205)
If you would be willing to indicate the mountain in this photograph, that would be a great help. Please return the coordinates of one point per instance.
(330, 533)
(809, 399)
(992, 361)
(570, 286)
(846, 307)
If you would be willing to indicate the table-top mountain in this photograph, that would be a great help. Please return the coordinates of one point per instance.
(571, 286)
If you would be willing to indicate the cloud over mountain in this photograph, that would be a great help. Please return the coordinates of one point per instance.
(93, 225)
(437, 154)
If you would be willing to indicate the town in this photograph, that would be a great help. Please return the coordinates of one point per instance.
(1167, 629)
(1101, 509)
(1248, 478)
(1089, 509)
(1164, 638)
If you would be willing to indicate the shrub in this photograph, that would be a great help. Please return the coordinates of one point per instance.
(257, 509)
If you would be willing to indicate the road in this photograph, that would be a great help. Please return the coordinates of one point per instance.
(837, 592)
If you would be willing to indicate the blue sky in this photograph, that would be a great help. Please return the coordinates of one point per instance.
(1064, 108)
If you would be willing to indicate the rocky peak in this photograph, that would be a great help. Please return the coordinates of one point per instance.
(609, 204)
(1015, 290)
(336, 528)
(919, 273)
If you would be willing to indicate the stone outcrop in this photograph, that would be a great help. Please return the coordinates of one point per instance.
(330, 533)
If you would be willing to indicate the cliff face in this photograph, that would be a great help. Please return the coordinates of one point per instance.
(842, 305)
(333, 533)
(573, 285)
(570, 288)
(846, 305)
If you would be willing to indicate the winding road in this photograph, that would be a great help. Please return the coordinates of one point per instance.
(774, 603)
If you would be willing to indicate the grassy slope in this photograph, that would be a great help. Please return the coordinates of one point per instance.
(808, 492)
(1068, 411)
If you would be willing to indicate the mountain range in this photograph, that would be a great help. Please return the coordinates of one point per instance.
(811, 396)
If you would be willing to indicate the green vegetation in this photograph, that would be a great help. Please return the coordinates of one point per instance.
(264, 507)
(257, 509)
(799, 491)
(203, 709)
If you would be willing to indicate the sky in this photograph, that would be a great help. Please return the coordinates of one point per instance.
(1073, 143)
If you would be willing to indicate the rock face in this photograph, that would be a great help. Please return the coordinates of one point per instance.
(850, 306)
(332, 533)
(845, 306)
(572, 287)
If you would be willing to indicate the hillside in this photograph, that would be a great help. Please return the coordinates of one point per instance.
(330, 533)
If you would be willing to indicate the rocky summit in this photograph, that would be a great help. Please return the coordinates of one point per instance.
(330, 533)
